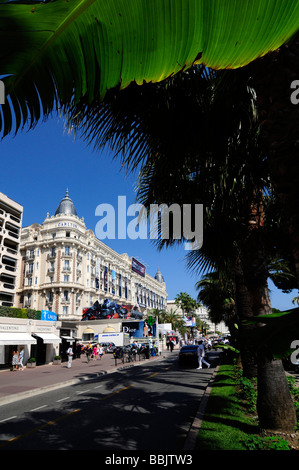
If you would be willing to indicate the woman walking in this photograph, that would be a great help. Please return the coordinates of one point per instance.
(15, 360)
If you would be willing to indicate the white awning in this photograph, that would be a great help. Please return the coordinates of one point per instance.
(69, 338)
(48, 338)
(16, 339)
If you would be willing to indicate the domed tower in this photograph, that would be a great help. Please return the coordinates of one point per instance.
(159, 276)
(66, 206)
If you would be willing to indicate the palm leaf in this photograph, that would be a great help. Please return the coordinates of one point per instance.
(52, 53)
(276, 334)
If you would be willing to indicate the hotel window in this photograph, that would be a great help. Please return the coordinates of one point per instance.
(65, 310)
(66, 295)
(66, 265)
(67, 250)
(66, 278)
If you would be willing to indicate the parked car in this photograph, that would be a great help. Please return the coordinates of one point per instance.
(108, 347)
(188, 355)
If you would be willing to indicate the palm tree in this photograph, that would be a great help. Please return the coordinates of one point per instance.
(279, 123)
(217, 294)
(237, 219)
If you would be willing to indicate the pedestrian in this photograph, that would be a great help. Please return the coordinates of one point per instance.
(70, 357)
(95, 352)
(21, 358)
(101, 352)
(201, 355)
(15, 359)
(88, 352)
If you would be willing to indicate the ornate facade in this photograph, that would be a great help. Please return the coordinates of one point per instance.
(64, 268)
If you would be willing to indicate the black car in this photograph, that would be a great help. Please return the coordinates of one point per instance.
(188, 355)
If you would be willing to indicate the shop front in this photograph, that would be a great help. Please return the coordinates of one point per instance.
(39, 339)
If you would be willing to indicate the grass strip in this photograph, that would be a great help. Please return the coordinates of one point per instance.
(226, 424)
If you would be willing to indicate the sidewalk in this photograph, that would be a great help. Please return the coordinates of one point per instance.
(31, 381)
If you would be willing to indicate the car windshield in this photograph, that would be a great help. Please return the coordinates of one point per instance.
(191, 346)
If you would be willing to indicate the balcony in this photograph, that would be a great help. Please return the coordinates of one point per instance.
(66, 269)
(67, 255)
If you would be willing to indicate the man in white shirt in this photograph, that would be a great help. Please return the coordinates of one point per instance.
(70, 357)
(201, 354)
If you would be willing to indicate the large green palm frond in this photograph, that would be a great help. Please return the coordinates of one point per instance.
(55, 52)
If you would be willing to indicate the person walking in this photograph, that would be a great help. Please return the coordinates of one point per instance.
(101, 352)
(88, 352)
(15, 359)
(70, 357)
(201, 355)
(21, 358)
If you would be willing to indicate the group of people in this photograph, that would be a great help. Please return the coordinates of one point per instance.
(94, 351)
(17, 359)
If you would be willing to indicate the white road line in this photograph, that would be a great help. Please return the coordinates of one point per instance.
(84, 391)
(7, 419)
(99, 386)
(62, 399)
(39, 408)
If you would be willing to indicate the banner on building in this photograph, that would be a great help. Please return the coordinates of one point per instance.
(105, 279)
(138, 268)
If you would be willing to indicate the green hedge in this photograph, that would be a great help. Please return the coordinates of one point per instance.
(20, 313)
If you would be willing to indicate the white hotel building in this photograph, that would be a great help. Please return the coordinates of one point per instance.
(64, 268)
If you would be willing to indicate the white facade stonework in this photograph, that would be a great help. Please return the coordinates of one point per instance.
(64, 268)
(10, 233)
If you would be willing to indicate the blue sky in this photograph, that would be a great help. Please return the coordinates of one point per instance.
(36, 168)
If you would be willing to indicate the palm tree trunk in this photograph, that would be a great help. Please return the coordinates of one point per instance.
(279, 123)
(275, 407)
(244, 313)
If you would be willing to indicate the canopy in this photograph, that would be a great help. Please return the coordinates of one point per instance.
(48, 338)
(16, 338)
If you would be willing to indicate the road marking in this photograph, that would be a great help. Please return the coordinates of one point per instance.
(7, 419)
(32, 431)
(39, 408)
(84, 391)
(115, 393)
(99, 386)
(62, 399)
(149, 376)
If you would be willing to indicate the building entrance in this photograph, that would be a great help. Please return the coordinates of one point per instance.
(38, 351)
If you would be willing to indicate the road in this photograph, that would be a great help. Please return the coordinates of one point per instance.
(139, 408)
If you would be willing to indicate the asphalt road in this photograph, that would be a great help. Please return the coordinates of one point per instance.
(142, 408)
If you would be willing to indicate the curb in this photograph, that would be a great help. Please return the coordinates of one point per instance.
(190, 441)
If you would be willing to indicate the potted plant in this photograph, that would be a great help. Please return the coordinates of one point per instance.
(31, 362)
(57, 360)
